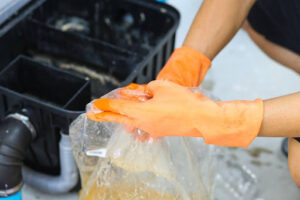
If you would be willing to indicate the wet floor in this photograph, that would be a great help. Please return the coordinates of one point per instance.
(241, 71)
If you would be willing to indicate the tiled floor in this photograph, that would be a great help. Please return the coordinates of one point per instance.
(240, 71)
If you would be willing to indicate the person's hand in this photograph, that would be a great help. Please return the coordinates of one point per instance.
(173, 110)
(186, 67)
(134, 92)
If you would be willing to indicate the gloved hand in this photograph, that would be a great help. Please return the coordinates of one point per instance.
(134, 92)
(186, 67)
(174, 110)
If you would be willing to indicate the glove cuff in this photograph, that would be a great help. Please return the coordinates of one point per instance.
(196, 54)
(241, 123)
(186, 67)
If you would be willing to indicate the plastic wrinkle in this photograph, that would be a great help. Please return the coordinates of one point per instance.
(118, 162)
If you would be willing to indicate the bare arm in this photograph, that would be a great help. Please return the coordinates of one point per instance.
(216, 22)
(281, 117)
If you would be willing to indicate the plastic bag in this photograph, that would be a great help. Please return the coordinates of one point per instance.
(114, 164)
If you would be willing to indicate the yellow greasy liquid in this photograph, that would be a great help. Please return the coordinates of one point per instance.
(126, 193)
(84, 178)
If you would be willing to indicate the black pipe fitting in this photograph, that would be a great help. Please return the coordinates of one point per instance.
(15, 138)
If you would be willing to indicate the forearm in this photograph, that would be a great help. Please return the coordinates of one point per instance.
(215, 24)
(281, 117)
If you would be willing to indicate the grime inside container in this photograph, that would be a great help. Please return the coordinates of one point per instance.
(120, 31)
(124, 23)
(72, 24)
(106, 66)
(101, 82)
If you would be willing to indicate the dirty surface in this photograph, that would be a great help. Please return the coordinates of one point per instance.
(73, 24)
(257, 151)
(123, 31)
(101, 82)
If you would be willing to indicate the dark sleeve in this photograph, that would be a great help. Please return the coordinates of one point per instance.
(278, 21)
(297, 138)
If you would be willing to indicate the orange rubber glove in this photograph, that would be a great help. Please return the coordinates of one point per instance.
(134, 92)
(186, 67)
(174, 110)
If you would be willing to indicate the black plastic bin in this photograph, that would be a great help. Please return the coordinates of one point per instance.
(111, 42)
(134, 25)
(142, 29)
(78, 54)
(53, 96)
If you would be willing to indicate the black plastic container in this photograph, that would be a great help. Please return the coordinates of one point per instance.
(54, 97)
(112, 42)
(139, 27)
(134, 25)
(67, 50)
(105, 52)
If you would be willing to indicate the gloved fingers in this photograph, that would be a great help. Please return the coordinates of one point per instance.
(119, 106)
(92, 116)
(134, 86)
(111, 117)
(159, 88)
(134, 92)
(145, 92)
(128, 123)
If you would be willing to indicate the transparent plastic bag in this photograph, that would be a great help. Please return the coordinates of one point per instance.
(114, 164)
(234, 179)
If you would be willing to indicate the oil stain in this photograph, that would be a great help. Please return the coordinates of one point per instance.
(232, 148)
(257, 151)
(233, 157)
(280, 167)
(220, 157)
(259, 163)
